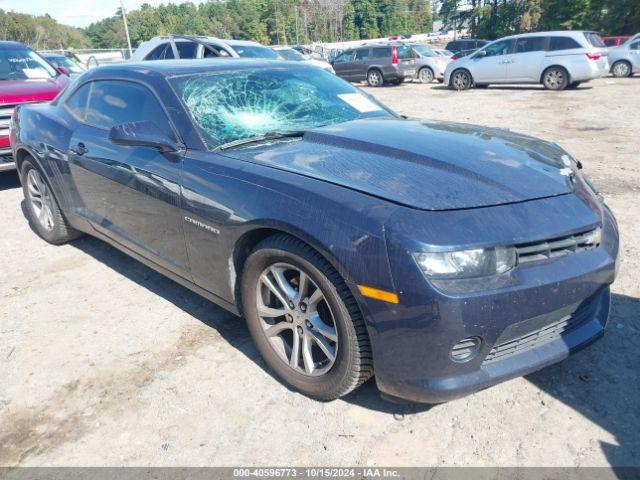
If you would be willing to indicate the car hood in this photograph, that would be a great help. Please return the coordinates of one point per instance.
(32, 90)
(425, 165)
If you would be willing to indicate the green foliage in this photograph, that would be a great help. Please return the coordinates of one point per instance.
(40, 32)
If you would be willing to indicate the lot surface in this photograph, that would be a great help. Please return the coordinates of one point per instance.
(105, 362)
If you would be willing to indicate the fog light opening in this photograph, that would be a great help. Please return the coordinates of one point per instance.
(466, 349)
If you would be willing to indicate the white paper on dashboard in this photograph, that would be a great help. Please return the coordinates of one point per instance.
(35, 73)
(359, 102)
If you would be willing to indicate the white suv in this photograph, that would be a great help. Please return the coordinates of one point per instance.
(558, 60)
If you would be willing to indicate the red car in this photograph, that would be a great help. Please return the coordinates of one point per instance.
(614, 41)
(25, 77)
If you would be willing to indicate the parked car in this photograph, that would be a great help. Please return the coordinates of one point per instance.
(191, 46)
(463, 47)
(25, 77)
(429, 65)
(440, 257)
(64, 63)
(625, 59)
(377, 64)
(615, 41)
(558, 60)
(293, 55)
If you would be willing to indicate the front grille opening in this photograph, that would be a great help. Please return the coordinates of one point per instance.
(553, 326)
(537, 251)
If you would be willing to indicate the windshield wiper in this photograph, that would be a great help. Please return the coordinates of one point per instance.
(274, 135)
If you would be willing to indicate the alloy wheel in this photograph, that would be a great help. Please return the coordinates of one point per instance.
(621, 69)
(461, 80)
(374, 78)
(296, 319)
(425, 75)
(40, 200)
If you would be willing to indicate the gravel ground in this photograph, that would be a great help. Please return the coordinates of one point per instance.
(105, 362)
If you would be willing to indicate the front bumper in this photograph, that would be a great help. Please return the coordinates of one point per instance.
(413, 341)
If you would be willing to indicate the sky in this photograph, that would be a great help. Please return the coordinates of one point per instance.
(78, 13)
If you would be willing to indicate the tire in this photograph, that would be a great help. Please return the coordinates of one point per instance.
(44, 213)
(555, 78)
(425, 75)
(574, 85)
(461, 80)
(337, 320)
(375, 78)
(621, 69)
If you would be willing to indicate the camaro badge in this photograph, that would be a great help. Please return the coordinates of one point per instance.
(202, 225)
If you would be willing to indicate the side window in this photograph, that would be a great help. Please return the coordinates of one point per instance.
(405, 53)
(635, 46)
(113, 102)
(530, 44)
(563, 43)
(499, 48)
(362, 54)
(186, 49)
(344, 57)
(381, 52)
(158, 52)
(79, 100)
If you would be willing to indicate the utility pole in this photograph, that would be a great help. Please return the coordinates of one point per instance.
(126, 28)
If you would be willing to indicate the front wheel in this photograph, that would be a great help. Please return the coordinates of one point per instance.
(621, 69)
(555, 78)
(461, 80)
(425, 75)
(304, 320)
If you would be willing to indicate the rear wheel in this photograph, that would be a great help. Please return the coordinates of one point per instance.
(461, 80)
(44, 214)
(555, 78)
(303, 319)
(375, 78)
(621, 69)
(425, 75)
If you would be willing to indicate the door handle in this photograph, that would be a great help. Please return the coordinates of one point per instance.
(79, 150)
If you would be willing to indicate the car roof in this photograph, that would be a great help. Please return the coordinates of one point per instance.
(12, 45)
(170, 68)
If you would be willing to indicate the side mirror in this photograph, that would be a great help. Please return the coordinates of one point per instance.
(481, 54)
(63, 71)
(142, 134)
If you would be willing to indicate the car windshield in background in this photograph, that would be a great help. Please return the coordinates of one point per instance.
(424, 51)
(250, 51)
(23, 64)
(67, 63)
(290, 54)
(594, 39)
(229, 106)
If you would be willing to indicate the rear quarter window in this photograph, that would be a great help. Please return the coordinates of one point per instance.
(381, 52)
(563, 43)
(594, 40)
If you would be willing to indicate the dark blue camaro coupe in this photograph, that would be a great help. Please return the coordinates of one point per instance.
(440, 257)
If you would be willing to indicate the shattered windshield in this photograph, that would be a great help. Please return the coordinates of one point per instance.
(232, 105)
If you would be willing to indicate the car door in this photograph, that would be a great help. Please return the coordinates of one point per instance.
(634, 54)
(131, 194)
(492, 67)
(361, 63)
(528, 59)
(343, 64)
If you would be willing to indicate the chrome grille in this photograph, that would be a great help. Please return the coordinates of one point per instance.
(533, 252)
(5, 119)
(540, 330)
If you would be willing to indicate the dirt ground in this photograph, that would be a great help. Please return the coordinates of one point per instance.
(105, 362)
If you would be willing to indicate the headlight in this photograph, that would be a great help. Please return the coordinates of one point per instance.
(478, 262)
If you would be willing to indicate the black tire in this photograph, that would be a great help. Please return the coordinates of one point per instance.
(460, 80)
(574, 85)
(353, 363)
(50, 224)
(621, 69)
(555, 78)
(426, 75)
(375, 78)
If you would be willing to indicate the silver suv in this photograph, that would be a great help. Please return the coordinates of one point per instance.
(558, 60)
(192, 46)
(625, 59)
